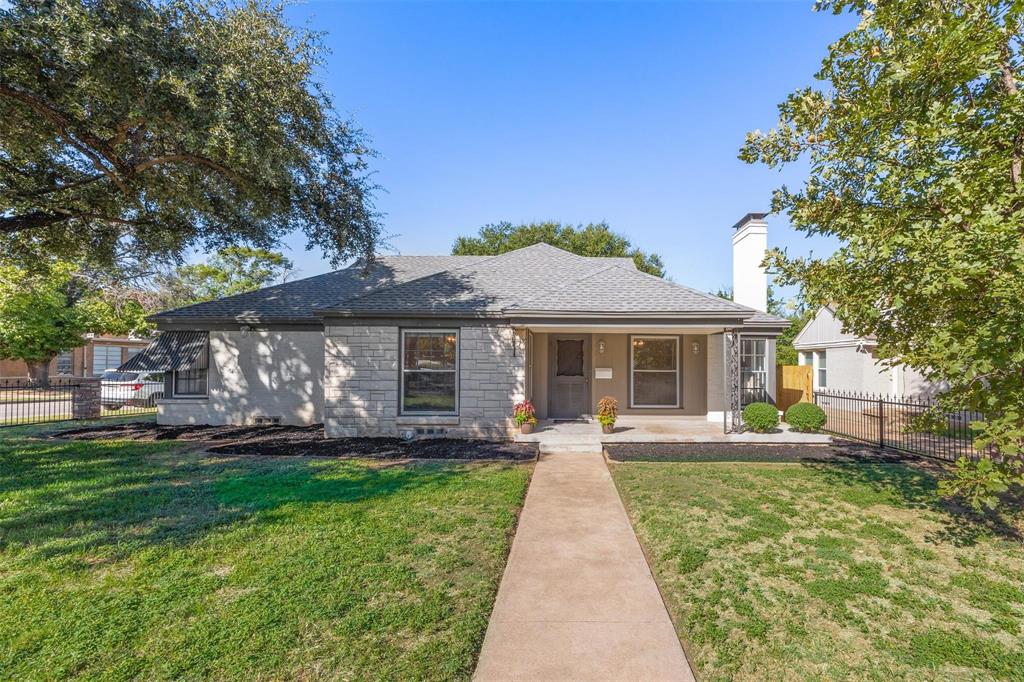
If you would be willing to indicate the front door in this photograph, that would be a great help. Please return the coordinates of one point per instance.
(569, 383)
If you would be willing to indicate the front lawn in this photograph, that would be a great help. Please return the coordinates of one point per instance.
(122, 560)
(828, 571)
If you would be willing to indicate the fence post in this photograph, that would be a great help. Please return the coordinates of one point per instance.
(85, 399)
(881, 421)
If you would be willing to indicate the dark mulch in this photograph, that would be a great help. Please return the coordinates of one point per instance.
(293, 441)
(840, 452)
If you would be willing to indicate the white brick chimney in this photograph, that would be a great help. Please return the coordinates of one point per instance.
(749, 280)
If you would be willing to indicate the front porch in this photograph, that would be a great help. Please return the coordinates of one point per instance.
(585, 434)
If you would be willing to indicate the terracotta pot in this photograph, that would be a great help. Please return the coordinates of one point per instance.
(608, 428)
(526, 427)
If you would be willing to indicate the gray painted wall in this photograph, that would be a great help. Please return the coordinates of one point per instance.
(259, 374)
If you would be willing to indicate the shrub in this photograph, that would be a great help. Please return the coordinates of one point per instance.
(761, 417)
(805, 417)
(524, 413)
(607, 410)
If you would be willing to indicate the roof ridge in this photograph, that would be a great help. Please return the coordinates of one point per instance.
(566, 284)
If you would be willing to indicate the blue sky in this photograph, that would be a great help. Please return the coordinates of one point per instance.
(631, 113)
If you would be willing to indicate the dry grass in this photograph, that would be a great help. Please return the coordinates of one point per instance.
(829, 571)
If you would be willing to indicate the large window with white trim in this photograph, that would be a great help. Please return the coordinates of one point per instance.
(654, 361)
(753, 371)
(104, 358)
(820, 369)
(429, 378)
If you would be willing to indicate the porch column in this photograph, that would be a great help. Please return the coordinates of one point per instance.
(733, 415)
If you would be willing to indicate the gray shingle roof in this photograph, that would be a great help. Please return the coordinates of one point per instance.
(538, 279)
(170, 351)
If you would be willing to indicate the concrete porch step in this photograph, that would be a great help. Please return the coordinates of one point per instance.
(575, 446)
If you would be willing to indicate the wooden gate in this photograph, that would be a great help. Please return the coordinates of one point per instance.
(794, 385)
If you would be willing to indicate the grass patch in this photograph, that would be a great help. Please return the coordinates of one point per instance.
(126, 560)
(829, 571)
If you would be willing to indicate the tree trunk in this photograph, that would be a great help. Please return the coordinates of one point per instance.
(39, 372)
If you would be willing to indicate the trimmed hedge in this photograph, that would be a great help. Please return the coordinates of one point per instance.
(761, 417)
(805, 417)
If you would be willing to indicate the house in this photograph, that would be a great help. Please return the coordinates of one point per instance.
(97, 354)
(448, 344)
(845, 362)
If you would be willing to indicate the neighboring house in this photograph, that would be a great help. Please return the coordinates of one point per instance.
(447, 344)
(845, 362)
(96, 355)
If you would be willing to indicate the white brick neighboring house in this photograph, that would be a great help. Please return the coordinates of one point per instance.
(845, 362)
(448, 344)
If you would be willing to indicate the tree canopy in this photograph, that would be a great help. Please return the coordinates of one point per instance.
(132, 130)
(593, 239)
(915, 145)
(233, 270)
(47, 310)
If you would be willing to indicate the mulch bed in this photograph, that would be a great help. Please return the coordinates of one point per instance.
(305, 441)
(840, 452)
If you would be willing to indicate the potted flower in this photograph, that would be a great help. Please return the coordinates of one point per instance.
(607, 413)
(525, 416)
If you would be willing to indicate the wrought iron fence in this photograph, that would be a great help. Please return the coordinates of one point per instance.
(899, 422)
(65, 398)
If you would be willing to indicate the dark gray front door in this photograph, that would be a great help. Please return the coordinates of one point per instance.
(569, 383)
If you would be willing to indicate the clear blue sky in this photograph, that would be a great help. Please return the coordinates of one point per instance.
(631, 113)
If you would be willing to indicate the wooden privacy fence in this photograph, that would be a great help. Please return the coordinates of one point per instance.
(793, 385)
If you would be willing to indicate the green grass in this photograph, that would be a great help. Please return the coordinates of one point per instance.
(809, 572)
(124, 560)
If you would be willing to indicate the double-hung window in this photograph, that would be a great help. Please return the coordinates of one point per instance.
(190, 382)
(821, 369)
(753, 371)
(104, 358)
(66, 363)
(654, 361)
(430, 376)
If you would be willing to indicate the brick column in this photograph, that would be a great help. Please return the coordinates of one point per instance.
(85, 399)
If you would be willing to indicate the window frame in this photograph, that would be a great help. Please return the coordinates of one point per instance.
(818, 369)
(743, 354)
(678, 371)
(68, 355)
(402, 411)
(107, 351)
(205, 376)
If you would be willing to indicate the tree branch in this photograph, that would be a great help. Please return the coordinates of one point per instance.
(190, 158)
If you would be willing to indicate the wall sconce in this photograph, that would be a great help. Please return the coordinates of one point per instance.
(245, 329)
(695, 347)
(600, 346)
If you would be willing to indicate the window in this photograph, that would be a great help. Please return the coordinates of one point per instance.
(104, 358)
(190, 382)
(820, 369)
(429, 372)
(131, 353)
(655, 376)
(66, 363)
(753, 371)
(806, 358)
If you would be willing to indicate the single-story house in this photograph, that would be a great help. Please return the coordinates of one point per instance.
(97, 354)
(845, 362)
(448, 344)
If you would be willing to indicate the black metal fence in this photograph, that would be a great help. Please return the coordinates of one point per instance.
(902, 423)
(64, 398)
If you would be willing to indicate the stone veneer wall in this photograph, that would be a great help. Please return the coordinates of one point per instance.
(361, 382)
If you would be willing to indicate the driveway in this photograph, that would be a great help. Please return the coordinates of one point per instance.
(577, 600)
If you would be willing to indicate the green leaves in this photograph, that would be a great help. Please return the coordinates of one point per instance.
(915, 147)
(131, 131)
(593, 239)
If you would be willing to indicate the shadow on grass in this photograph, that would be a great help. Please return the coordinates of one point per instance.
(914, 485)
(66, 498)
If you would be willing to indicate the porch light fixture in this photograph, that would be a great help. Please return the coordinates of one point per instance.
(600, 346)
(695, 347)
(245, 329)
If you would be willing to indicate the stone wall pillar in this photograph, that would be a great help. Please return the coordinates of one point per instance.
(85, 399)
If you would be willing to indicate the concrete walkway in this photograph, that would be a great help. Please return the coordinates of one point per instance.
(577, 600)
